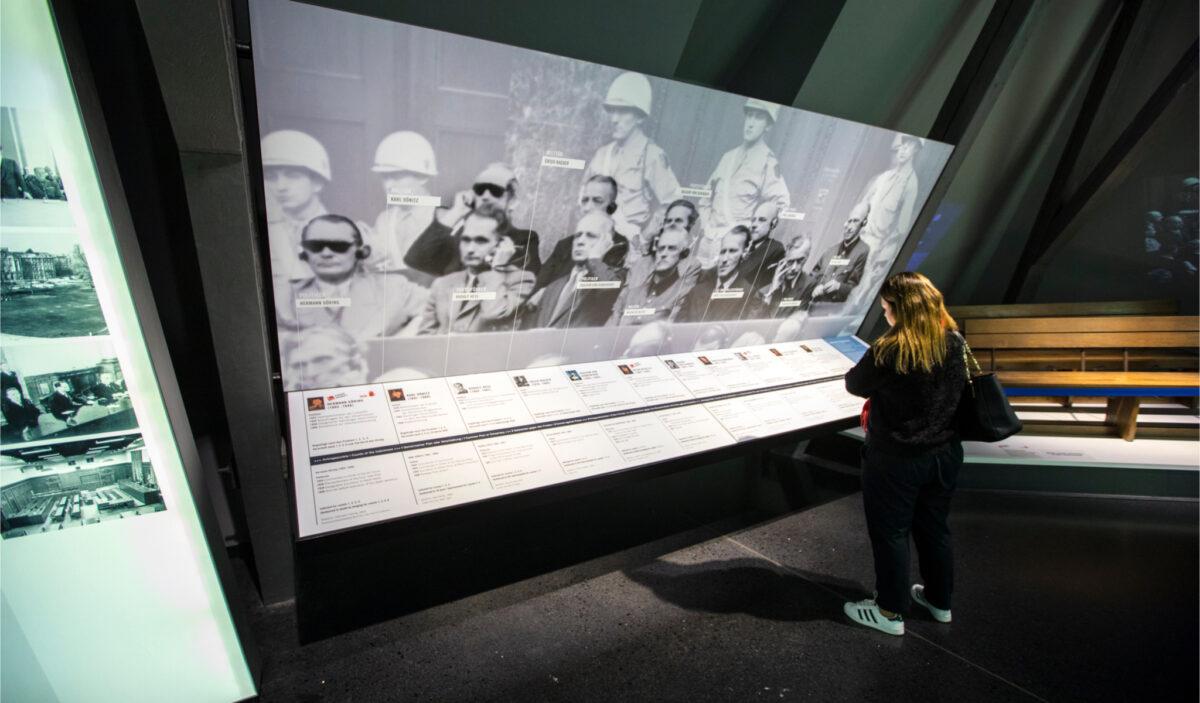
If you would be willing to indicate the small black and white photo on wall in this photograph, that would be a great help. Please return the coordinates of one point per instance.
(31, 186)
(62, 389)
(76, 483)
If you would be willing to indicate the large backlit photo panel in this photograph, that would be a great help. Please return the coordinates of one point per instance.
(447, 215)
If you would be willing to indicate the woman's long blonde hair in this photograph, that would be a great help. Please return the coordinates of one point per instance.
(918, 339)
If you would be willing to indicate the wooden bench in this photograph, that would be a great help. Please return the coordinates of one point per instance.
(1105, 309)
(1122, 358)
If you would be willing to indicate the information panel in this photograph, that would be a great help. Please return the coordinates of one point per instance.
(496, 269)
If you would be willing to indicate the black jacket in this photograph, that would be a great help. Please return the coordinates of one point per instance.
(911, 413)
(435, 251)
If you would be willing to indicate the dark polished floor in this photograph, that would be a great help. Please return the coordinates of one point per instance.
(1058, 598)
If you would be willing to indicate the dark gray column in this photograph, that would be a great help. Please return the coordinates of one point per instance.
(193, 53)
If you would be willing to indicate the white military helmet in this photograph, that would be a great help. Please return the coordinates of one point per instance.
(899, 139)
(289, 147)
(770, 108)
(405, 151)
(629, 90)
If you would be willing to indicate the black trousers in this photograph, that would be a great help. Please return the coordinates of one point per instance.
(910, 495)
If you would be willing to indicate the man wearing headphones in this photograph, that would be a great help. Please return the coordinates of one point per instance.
(584, 295)
(599, 194)
(341, 292)
(723, 293)
(660, 294)
(764, 252)
(493, 194)
(488, 291)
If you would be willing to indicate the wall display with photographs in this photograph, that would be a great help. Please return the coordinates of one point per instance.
(94, 498)
(440, 206)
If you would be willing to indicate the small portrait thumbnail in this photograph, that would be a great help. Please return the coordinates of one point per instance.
(704, 360)
(776, 352)
(574, 375)
(460, 389)
(742, 356)
(317, 403)
(521, 381)
(671, 364)
(806, 348)
(395, 394)
(625, 369)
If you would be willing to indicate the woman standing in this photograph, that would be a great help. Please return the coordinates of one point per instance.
(913, 377)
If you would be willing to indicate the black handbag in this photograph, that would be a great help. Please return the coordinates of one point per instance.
(984, 413)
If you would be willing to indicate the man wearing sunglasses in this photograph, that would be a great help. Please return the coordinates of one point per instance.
(489, 289)
(599, 194)
(584, 295)
(645, 181)
(494, 193)
(340, 292)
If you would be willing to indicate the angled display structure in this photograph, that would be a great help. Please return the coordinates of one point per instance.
(496, 269)
(112, 583)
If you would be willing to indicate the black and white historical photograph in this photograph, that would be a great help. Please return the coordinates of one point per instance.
(463, 206)
(31, 187)
(77, 483)
(46, 287)
(66, 388)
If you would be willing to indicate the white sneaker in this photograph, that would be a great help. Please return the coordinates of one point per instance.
(866, 612)
(918, 595)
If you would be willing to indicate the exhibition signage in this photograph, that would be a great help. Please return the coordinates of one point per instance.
(496, 269)
(109, 590)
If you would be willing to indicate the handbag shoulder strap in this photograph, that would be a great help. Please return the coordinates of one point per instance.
(969, 358)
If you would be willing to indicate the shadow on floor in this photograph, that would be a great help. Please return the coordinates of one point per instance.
(749, 586)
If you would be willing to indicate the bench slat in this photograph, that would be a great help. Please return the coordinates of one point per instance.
(1100, 379)
(1060, 325)
(1085, 340)
(1116, 307)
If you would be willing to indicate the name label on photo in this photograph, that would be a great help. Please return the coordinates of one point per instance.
(421, 200)
(562, 162)
(728, 294)
(638, 312)
(464, 294)
(789, 303)
(838, 261)
(322, 302)
(791, 215)
(595, 284)
(696, 192)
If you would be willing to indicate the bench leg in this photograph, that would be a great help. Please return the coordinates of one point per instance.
(1122, 413)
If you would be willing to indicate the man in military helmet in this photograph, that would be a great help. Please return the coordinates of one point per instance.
(645, 182)
(747, 175)
(295, 171)
(405, 162)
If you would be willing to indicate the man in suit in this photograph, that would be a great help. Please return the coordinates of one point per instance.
(583, 296)
(106, 391)
(12, 182)
(599, 195)
(724, 293)
(340, 291)
(322, 357)
(784, 294)
(61, 405)
(764, 251)
(488, 291)
(840, 268)
(658, 295)
(493, 194)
